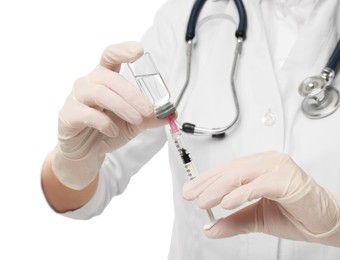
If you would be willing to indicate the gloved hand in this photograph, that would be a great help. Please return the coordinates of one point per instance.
(103, 112)
(291, 204)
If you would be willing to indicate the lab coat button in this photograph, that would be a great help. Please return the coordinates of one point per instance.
(269, 118)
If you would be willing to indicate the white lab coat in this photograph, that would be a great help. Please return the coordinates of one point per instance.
(271, 119)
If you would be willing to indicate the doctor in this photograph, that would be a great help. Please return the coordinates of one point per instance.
(274, 179)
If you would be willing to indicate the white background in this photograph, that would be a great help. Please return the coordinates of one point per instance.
(45, 45)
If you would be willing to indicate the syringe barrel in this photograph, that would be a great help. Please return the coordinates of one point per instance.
(190, 169)
(181, 147)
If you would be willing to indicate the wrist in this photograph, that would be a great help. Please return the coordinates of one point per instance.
(313, 210)
(75, 173)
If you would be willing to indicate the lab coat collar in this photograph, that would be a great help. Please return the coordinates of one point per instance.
(315, 37)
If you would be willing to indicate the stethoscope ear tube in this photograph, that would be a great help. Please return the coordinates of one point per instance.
(241, 31)
(242, 26)
(190, 34)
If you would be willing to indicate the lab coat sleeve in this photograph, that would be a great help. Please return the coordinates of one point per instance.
(120, 165)
(117, 169)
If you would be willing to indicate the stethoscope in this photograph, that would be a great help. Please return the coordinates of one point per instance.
(320, 98)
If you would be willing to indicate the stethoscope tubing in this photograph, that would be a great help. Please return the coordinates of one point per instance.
(216, 132)
(195, 12)
(334, 60)
(240, 35)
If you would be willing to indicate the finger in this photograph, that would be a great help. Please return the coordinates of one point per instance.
(152, 122)
(118, 84)
(212, 195)
(246, 220)
(235, 182)
(117, 54)
(258, 188)
(264, 216)
(272, 184)
(236, 173)
(77, 115)
(105, 98)
(193, 188)
(99, 96)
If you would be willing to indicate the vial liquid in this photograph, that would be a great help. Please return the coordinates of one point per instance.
(151, 83)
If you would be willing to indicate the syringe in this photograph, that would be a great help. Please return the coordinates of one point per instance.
(152, 85)
(187, 162)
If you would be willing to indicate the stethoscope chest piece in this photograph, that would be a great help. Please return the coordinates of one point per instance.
(321, 99)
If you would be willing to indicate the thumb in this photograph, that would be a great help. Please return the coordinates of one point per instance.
(114, 55)
(241, 222)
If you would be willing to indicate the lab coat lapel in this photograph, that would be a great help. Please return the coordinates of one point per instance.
(256, 49)
(311, 50)
(257, 88)
(257, 38)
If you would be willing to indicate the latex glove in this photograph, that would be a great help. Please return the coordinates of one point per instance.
(103, 112)
(291, 204)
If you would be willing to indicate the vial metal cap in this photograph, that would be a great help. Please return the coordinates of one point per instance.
(165, 110)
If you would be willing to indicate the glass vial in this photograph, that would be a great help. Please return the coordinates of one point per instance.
(151, 83)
